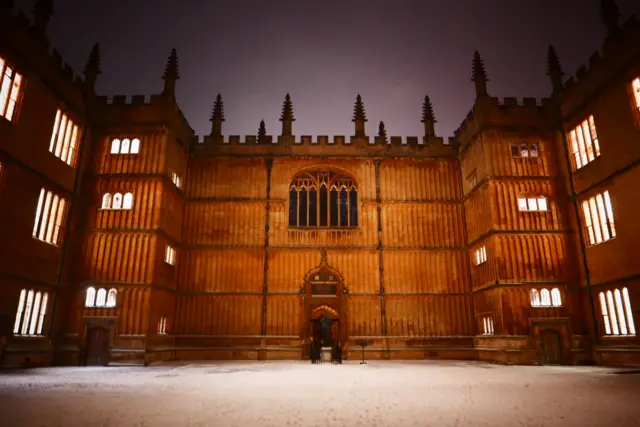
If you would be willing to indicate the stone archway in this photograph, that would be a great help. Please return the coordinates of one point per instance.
(324, 298)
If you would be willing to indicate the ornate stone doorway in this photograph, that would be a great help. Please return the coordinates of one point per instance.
(324, 307)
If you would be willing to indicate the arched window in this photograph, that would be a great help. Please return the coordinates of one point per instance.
(135, 146)
(524, 150)
(535, 298)
(90, 300)
(106, 201)
(115, 146)
(545, 298)
(101, 298)
(556, 299)
(117, 201)
(323, 198)
(124, 149)
(111, 297)
(533, 150)
(128, 201)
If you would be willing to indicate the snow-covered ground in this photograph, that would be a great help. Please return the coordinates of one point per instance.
(390, 394)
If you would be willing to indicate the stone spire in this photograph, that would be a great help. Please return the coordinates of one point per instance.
(359, 116)
(217, 116)
(554, 70)
(92, 70)
(42, 11)
(610, 14)
(479, 76)
(286, 117)
(382, 131)
(171, 74)
(428, 118)
(262, 131)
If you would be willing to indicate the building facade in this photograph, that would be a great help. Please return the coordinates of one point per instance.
(127, 238)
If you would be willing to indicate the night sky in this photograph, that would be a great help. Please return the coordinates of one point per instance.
(325, 52)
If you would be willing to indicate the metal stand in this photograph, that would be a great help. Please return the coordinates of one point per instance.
(363, 344)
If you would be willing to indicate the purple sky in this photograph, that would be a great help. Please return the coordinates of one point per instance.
(324, 52)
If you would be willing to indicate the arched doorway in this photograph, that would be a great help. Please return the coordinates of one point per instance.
(551, 347)
(324, 307)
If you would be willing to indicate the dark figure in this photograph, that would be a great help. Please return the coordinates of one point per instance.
(336, 354)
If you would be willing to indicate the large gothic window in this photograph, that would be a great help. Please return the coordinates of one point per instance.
(323, 198)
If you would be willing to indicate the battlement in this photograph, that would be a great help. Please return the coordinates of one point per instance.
(323, 145)
(601, 58)
(124, 100)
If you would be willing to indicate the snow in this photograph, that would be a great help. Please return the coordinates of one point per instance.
(287, 394)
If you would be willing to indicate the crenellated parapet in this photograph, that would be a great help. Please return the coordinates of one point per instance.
(325, 146)
(27, 49)
(507, 114)
(618, 53)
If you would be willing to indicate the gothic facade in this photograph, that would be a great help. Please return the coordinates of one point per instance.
(127, 238)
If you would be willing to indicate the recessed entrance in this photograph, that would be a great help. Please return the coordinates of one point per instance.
(97, 347)
(550, 347)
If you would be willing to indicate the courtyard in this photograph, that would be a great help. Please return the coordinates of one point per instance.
(380, 393)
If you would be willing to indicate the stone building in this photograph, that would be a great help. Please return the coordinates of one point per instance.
(128, 238)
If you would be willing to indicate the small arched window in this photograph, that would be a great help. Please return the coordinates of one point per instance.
(135, 146)
(124, 149)
(524, 150)
(111, 297)
(106, 201)
(535, 298)
(323, 198)
(90, 299)
(115, 146)
(545, 298)
(533, 150)
(556, 299)
(117, 201)
(101, 298)
(128, 201)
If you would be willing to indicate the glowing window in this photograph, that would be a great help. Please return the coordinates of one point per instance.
(534, 297)
(481, 255)
(162, 326)
(117, 201)
(616, 311)
(585, 146)
(545, 298)
(30, 315)
(127, 202)
(556, 298)
(101, 297)
(111, 298)
(635, 88)
(125, 146)
(115, 146)
(90, 299)
(64, 139)
(106, 201)
(135, 146)
(176, 179)
(49, 218)
(532, 203)
(598, 218)
(170, 255)
(487, 326)
(9, 89)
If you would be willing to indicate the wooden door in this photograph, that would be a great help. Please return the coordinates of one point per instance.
(97, 347)
(550, 347)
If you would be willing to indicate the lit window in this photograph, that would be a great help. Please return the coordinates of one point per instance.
(472, 179)
(617, 315)
(117, 201)
(106, 201)
(176, 179)
(90, 300)
(127, 202)
(585, 146)
(544, 298)
(170, 255)
(111, 298)
(635, 87)
(125, 146)
(487, 325)
(598, 218)
(532, 203)
(64, 139)
(162, 326)
(481, 255)
(524, 150)
(533, 150)
(101, 297)
(534, 297)
(9, 90)
(556, 299)
(32, 308)
(49, 217)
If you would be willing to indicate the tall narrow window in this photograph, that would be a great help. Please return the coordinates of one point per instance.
(556, 299)
(101, 297)
(487, 325)
(117, 201)
(49, 217)
(585, 146)
(30, 314)
(170, 255)
(127, 201)
(43, 312)
(111, 297)
(616, 311)
(9, 89)
(20, 311)
(125, 146)
(115, 146)
(64, 138)
(135, 146)
(481, 255)
(90, 300)
(635, 88)
(534, 297)
(323, 198)
(545, 297)
(106, 201)
(532, 203)
(35, 316)
(175, 178)
(598, 218)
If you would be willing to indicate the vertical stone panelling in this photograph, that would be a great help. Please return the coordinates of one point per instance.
(283, 315)
(414, 271)
(289, 268)
(429, 179)
(359, 269)
(172, 212)
(472, 162)
(217, 270)
(422, 225)
(219, 314)
(225, 223)
(227, 178)
(478, 213)
(146, 208)
(150, 159)
(364, 316)
(509, 217)
(125, 257)
(134, 312)
(539, 257)
(502, 163)
(429, 316)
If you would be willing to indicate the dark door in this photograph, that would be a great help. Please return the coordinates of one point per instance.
(97, 347)
(550, 347)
